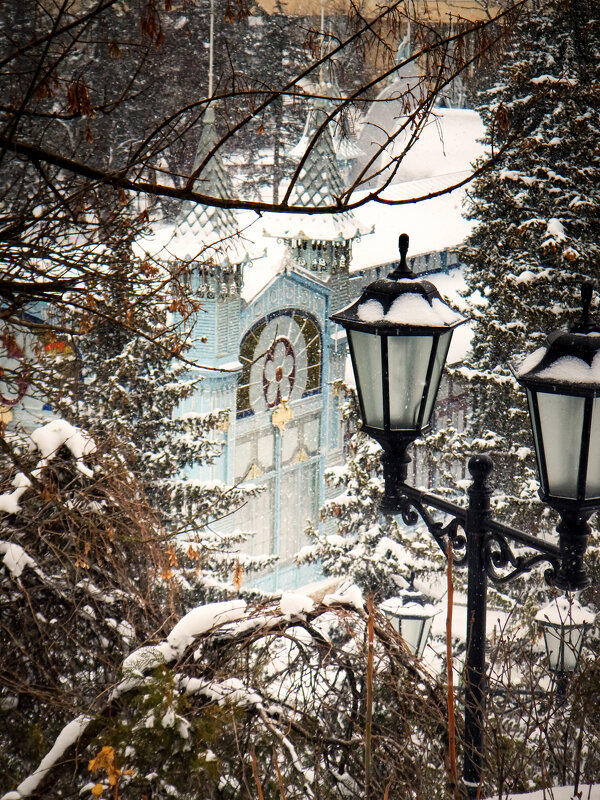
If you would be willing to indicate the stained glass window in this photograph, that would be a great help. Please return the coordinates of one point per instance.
(281, 358)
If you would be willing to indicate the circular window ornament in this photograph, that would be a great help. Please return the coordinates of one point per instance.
(279, 372)
(281, 358)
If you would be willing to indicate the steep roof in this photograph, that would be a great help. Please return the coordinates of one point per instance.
(215, 227)
(319, 183)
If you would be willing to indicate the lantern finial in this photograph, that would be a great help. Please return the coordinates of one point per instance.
(584, 325)
(402, 270)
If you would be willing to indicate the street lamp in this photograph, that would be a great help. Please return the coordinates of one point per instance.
(564, 623)
(411, 618)
(562, 381)
(399, 332)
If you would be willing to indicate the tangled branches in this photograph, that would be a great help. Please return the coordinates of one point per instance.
(267, 702)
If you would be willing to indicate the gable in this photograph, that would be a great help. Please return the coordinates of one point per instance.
(287, 291)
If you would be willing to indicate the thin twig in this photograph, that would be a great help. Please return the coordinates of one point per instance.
(450, 676)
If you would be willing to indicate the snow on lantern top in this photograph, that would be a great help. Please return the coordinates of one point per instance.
(565, 611)
(567, 359)
(400, 301)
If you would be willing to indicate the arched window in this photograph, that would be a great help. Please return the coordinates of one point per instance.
(281, 358)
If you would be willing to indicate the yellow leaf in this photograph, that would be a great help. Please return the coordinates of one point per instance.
(192, 553)
(97, 790)
(172, 556)
(237, 576)
(104, 759)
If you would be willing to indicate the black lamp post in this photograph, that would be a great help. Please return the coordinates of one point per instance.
(562, 381)
(399, 333)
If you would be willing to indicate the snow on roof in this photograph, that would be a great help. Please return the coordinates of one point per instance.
(172, 241)
(324, 227)
(261, 271)
(570, 369)
(448, 142)
(440, 158)
(433, 225)
(450, 285)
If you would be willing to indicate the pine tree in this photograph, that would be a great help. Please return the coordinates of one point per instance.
(538, 224)
(381, 555)
(269, 51)
(122, 380)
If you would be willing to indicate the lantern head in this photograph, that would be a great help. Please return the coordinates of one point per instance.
(564, 623)
(412, 620)
(399, 332)
(562, 381)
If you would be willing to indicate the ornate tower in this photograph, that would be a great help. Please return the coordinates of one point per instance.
(208, 236)
(320, 245)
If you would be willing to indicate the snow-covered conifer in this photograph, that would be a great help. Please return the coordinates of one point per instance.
(538, 223)
(122, 379)
(379, 554)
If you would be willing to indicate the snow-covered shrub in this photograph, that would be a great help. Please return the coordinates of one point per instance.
(269, 701)
(80, 567)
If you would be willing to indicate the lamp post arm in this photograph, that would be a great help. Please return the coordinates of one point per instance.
(413, 505)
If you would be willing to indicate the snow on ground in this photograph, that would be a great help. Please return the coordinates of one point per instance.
(586, 792)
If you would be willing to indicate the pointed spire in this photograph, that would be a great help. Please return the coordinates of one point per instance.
(320, 182)
(343, 146)
(214, 226)
(209, 222)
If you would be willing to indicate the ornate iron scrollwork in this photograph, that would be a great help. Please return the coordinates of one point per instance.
(499, 557)
(413, 511)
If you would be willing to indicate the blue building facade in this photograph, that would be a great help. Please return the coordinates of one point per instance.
(275, 362)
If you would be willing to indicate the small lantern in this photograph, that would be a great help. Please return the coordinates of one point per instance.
(562, 381)
(564, 623)
(412, 620)
(399, 332)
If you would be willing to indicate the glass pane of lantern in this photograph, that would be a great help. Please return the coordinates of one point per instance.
(415, 632)
(563, 645)
(438, 366)
(561, 422)
(408, 359)
(367, 368)
(536, 441)
(593, 473)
